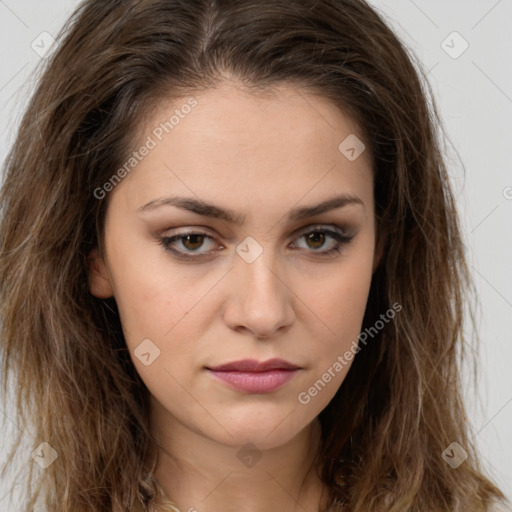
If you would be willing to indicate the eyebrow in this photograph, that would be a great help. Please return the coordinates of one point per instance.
(216, 212)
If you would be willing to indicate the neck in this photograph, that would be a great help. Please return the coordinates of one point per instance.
(199, 474)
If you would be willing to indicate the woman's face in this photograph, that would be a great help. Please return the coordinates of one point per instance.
(257, 274)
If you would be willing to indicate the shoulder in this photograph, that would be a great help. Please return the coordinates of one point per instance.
(500, 507)
(167, 506)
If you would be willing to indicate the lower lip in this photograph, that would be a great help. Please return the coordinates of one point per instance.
(255, 382)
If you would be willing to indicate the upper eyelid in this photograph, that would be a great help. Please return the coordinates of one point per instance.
(306, 229)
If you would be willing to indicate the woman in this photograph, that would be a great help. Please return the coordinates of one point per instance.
(232, 271)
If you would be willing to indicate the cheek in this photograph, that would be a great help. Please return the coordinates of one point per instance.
(157, 302)
(340, 298)
(151, 296)
(145, 305)
(345, 310)
(340, 304)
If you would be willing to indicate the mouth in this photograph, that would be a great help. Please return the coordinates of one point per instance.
(251, 376)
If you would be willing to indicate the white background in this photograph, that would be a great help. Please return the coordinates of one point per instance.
(474, 93)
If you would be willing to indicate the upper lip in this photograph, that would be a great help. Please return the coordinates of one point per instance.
(252, 365)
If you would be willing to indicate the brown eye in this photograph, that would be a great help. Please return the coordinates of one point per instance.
(316, 239)
(188, 243)
(193, 241)
(324, 242)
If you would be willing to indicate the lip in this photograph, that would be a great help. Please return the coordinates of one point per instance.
(252, 365)
(251, 376)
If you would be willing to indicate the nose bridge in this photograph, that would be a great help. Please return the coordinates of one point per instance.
(261, 299)
(256, 268)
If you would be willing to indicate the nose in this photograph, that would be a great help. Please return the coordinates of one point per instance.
(259, 300)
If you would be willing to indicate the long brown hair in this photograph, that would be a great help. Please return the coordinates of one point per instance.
(400, 405)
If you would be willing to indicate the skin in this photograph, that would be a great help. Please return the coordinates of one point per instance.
(260, 156)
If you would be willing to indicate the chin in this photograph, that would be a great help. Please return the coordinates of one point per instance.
(263, 431)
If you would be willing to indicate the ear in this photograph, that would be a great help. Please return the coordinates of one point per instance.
(379, 252)
(99, 281)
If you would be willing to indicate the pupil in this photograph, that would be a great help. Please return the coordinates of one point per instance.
(192, 237)
(313, 235)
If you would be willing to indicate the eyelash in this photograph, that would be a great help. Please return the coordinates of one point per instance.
(166, 242)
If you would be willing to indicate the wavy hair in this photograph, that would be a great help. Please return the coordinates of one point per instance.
(74, 384)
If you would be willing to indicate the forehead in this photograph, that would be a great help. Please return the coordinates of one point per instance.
(237, 144)
(228, 114)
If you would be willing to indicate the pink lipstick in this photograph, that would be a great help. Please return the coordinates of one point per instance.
(251, 376)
